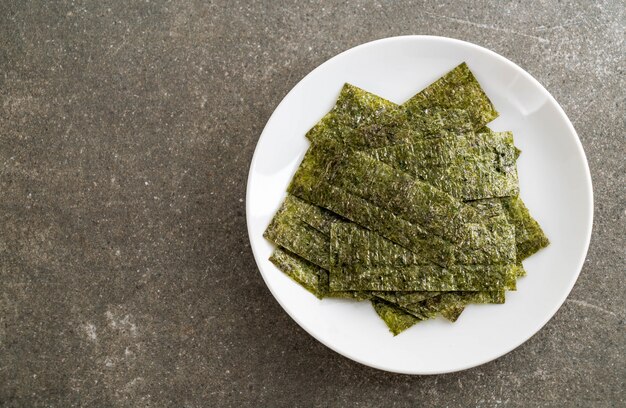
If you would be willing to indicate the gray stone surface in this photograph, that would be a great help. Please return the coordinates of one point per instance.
(126, 132)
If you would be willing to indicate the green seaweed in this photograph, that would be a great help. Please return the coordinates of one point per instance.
(452, 313)
(493, 147)
(396, 319)
(280, 221)
(434, 140)
(352, 244)
(394, 128)
(489, 208)
(312, 215)
(525, 246)
(411, 213)
(427, 308)
(468, 167)
(423, 278)
(405, 299)
(451, 304)
(356, 247)
(456, 90)
(445, 101)
(419, 203)
(354, 107)
(529, 236)
(303, 229)
(290, 232)
(453, 104)
(308, 275)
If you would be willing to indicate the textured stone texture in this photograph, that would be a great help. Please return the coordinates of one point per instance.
(126, 130)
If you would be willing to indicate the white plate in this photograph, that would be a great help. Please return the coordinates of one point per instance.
(555, 185)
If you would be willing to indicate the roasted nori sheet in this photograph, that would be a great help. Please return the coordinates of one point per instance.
(354, 107)
(403, 299)
(458, 89)
(424, 278)
(310, 214)
(468, 167)
(396, 319)
(450, 93)
(453, 104)
(409, 212)
(310, 276)
(352, 244)
(296, 234)
(288, 231)
(452, 304)
(529, 236)
(438, 137)
(455, 98)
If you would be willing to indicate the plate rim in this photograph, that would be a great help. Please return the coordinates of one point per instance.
(587, 181)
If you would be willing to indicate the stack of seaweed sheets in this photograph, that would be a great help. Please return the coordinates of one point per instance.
(413, 207)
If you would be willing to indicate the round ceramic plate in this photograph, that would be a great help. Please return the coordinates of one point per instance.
(554, 180)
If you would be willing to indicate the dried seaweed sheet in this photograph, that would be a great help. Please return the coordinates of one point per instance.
(352, 244)
(354, 107)
(305, 273)
(447, 92)
(423, 278)
(453, 104)
(418, 202)
(415, 157)
(458, 89)
(310, 276)
(428, 308)
(468, 167)
(398, 207)
(406, 234)
(452, 313)
(529, 236)
(451, 304)
(396, 319)
(385, 223)
(489, 208)
(438, 120)
(285, 215)
(303, 229)
(290, 232)
(456, 76)
(405, 298)
(310, 214)
(393, 128)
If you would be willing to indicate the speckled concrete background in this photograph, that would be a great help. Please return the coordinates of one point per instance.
(126, 131)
